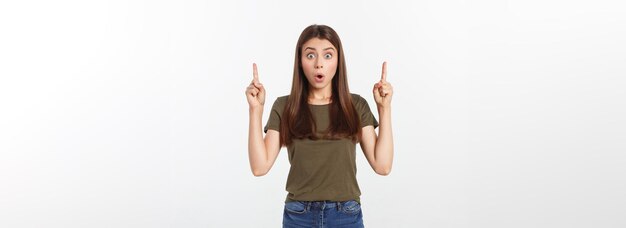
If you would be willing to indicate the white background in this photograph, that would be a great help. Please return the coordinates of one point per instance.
(133, 113)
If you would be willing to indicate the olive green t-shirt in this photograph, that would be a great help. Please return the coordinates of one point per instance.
(322, 169)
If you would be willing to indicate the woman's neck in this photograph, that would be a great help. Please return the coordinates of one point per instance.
(320, 96)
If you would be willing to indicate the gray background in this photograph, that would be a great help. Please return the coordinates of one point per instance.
(133, 113)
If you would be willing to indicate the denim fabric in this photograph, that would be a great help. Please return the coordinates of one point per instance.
(322, 214)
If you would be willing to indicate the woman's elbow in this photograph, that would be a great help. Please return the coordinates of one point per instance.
(383, 171)
(258, 172)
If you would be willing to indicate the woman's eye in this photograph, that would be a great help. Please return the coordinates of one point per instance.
(328, 56)
(310, 56)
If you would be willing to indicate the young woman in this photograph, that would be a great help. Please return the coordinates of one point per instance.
(320, 123)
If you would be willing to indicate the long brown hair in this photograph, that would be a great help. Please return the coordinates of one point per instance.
(297, 121)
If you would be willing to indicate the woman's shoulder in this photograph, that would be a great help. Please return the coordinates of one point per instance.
(280, 102)
(282, 99)
(356, 98)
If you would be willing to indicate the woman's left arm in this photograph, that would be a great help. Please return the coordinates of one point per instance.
(379, 149)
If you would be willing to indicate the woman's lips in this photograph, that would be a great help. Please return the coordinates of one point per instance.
(319, 78)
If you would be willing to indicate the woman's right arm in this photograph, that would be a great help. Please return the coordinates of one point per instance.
(262, 152)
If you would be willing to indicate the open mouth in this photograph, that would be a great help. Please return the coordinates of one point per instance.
(319, 78)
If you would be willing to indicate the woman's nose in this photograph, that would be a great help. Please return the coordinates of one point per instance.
(318, 66)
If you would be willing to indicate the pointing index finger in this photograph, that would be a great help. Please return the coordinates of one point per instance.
(255, 73)
(384, 74)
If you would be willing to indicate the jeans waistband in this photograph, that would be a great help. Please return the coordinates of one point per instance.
(323, 204)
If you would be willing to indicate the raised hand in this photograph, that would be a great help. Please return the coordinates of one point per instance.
(383, 91)
(255, 91)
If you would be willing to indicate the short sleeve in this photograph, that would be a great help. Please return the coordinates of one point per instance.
(366, 115)
(273, 122)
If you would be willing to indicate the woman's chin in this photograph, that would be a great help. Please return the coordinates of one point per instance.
(318, 85)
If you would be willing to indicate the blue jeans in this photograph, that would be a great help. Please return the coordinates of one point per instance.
(323, 214)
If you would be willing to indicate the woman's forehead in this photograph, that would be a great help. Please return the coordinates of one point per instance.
(318, 44)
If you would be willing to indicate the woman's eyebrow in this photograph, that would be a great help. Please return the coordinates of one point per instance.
(322, 50)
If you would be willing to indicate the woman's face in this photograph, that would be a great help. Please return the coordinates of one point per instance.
(319, 62)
